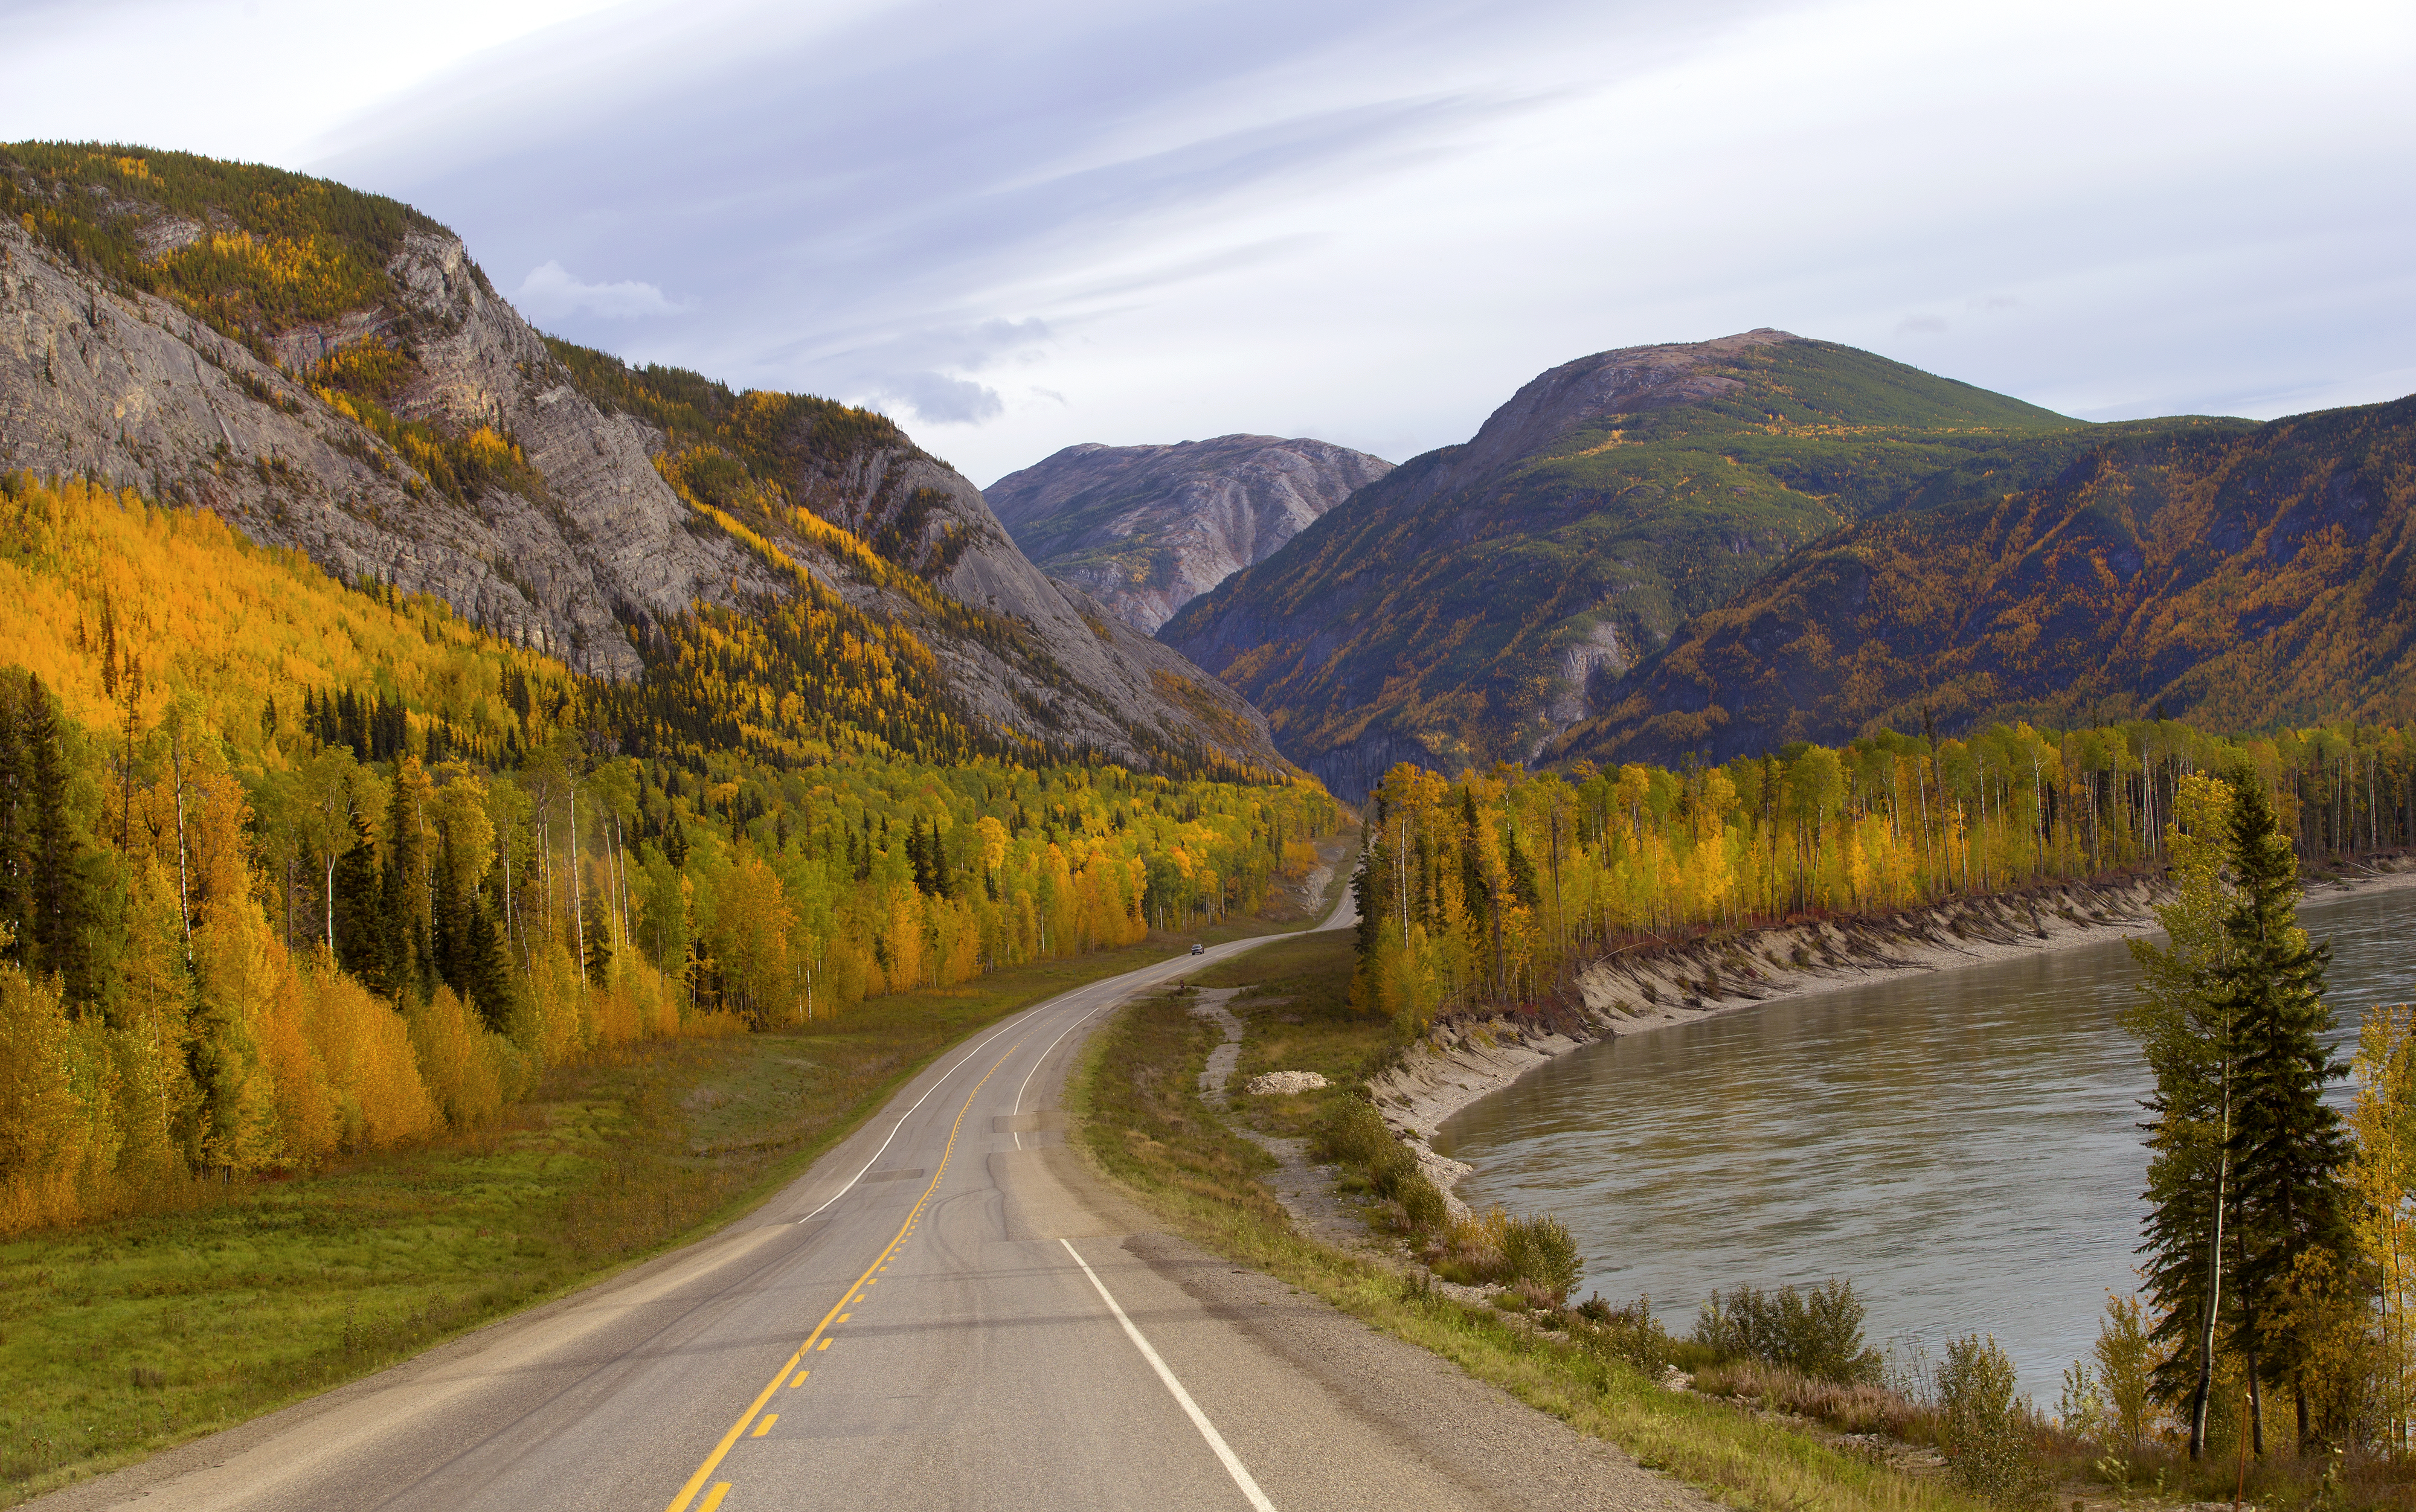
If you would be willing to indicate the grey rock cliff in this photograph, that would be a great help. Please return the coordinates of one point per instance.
(126, 388)
(1148, 529)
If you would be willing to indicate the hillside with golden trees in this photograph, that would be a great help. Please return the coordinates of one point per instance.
(2239, 575)
(290, 868)
(331, 371)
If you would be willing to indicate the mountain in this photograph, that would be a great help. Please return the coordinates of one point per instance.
(1468, 607)
(329, 370)
(1148, 529)
(2231, 574)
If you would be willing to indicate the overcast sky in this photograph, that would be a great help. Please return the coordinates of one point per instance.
(1019, 227)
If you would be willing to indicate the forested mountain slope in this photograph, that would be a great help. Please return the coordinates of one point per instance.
(289, 867)
(2236, 574)
(1458, 611)
(1148, 529)
(329, 370)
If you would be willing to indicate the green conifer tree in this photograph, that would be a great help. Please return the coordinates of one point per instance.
(2287, 1148)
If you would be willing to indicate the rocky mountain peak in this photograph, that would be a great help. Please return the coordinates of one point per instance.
(1147, 528)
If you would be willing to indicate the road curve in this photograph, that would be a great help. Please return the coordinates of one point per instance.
(947, 1311)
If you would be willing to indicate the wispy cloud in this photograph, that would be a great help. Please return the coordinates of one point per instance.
(551, 293)
(1370, 219)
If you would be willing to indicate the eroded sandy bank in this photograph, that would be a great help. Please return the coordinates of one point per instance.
(1654, 986)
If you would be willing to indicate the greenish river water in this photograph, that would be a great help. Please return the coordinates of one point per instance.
(1963, 1145)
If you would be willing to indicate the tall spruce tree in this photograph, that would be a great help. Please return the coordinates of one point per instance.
(2185, 1034)
(486, 970)
(2287, 1148)
(360, 940)
(16, 884)
(56, 875)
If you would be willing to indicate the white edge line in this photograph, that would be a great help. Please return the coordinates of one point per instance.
(1199, 1419)
(1043, 1056)
(909, 1114)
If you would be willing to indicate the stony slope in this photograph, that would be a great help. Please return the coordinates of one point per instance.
(2233, 574)
(331, 371)
(1468, 607)
(1148, 529)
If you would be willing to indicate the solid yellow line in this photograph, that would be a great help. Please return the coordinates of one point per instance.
(815, 1340)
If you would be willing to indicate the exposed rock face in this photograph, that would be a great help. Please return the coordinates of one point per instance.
(121, 386)
(1148, 529)
(129, 388)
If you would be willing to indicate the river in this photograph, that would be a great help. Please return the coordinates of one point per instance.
(1962, 1145)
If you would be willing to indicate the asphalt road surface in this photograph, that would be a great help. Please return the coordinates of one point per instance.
(947, 1310)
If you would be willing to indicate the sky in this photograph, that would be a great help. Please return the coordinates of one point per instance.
(1017, 228)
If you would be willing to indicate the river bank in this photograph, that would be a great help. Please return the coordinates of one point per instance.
(1639, 990)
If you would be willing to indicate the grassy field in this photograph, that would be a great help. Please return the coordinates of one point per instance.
(1142, 1121)
(123, 1338)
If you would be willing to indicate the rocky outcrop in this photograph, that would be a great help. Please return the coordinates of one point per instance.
(119, 385)
(576, 551)
(1145, 530)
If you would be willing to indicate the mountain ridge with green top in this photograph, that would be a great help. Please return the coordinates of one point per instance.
(1468, 607)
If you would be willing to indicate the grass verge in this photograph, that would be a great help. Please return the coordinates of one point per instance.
(122, 1339)
(1140, 1119)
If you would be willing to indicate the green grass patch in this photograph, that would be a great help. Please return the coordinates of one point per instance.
(1140, 1119)
(122, 1339)
(1297, 1017)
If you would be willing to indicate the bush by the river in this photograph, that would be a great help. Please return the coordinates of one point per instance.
(1987, 1433)
(1817, 1331)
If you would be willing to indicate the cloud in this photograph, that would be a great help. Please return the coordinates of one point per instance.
(941, 400)
(551, 293)
(1375, 232)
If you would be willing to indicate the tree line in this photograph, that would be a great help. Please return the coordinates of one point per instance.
(1495, 887)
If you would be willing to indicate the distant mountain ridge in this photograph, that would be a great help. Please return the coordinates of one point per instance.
(329, 370)
(1148, 529)
(1467, 608)
(2231, 574)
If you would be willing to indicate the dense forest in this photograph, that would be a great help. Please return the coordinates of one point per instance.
(290, 866)
(2237, 576)
(1493, 889)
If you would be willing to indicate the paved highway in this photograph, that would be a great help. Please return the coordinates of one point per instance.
(947, 1310)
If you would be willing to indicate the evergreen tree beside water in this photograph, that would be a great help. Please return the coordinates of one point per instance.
(2246, 1198)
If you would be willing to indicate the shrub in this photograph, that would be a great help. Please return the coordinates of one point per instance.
(2126, 1363)
(1630, 1333)
(1470, 1253)
(1540, 1249)
(1818, 1331)
(1356, 1135)
(1422, 1203)
(1849, 1407)
(1984, 1431)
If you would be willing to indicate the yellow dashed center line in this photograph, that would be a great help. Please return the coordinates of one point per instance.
(765, 1426)
(818, 1340)
(800, 1379)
